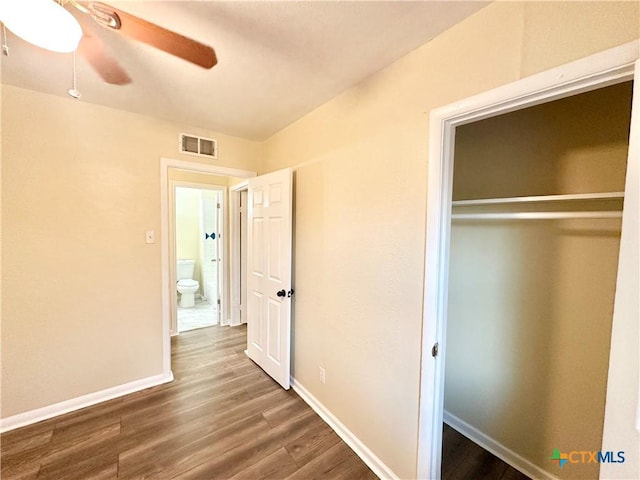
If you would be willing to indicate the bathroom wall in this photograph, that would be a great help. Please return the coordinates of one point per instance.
(78, 193)
(188, 228)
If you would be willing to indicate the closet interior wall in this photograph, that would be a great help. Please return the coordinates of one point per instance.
(531, 301)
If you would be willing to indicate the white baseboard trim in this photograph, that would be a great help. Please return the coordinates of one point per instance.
(367, 456)
(44, 413)
(509, 456)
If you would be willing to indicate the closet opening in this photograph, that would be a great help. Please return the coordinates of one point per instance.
(537, 200)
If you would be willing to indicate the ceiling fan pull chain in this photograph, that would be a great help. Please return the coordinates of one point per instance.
(74, 91)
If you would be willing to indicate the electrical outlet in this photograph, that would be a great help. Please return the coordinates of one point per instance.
(322, 375)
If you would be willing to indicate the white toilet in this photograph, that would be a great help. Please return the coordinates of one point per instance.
(187, 287)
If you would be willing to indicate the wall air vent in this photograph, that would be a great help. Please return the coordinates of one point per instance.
(204, 147)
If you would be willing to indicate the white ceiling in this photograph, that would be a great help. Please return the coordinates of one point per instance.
(277, 60)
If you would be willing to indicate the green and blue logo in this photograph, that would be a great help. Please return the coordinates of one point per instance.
(561, 458)
(586, 456)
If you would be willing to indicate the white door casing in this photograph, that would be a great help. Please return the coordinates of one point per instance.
(596, 71)
(269, 289)
(243, 256)
(238, 252)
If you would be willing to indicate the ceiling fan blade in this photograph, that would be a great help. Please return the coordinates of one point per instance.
(154, 35)
(104, 64)
(93, 50)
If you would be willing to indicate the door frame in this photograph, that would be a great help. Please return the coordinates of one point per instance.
(596, 71)
(235, 251)
(222, 273)
(165, 250)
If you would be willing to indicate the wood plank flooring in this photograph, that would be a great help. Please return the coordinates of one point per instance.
(463, 459)
(222, 418)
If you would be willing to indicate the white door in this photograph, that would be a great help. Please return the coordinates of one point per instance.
(269, 287)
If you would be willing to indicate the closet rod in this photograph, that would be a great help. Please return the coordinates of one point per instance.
(534, 215)
(540, 198)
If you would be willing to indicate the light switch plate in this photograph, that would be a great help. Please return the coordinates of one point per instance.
(150, 236)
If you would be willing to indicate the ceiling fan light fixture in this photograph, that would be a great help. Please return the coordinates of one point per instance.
(43, 23)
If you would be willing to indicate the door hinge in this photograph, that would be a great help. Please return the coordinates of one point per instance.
(434, 350)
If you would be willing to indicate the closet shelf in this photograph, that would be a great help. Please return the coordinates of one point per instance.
(540, 198)
(535, 215)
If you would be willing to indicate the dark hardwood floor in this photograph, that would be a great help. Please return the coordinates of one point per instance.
(463, 459)
(221, 418)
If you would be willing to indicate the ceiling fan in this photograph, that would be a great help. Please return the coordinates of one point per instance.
(90, 14)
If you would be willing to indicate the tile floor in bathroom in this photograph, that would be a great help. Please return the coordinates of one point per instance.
(201, 315)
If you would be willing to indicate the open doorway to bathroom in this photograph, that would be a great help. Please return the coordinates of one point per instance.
(199, 254)
(178, 173)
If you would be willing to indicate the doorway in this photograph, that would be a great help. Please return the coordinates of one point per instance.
(179, 170)
(608, 68)
(269, 209)
(199, 219)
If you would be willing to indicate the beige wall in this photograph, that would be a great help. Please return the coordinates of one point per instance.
(81, 303)
(178, 175)
(555, 33)
(360, 170)
(233, 181)
(360, 165)
(530, 303)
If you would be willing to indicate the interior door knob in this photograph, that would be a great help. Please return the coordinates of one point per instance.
(282, 293)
